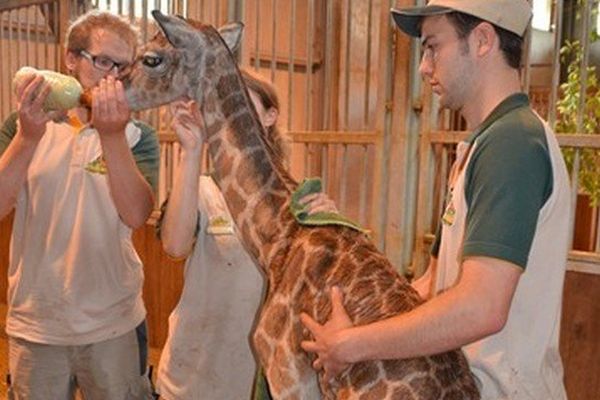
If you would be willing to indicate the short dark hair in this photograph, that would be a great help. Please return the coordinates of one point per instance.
(511, 44)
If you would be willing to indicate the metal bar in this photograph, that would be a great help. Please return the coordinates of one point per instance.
(37, 37)
(11, 58)
(57, 44)
(347, 65)
(324, 167)
(144, 21)
(256, 36)
(47, 37)
(132, 15)
(19, 38)
(273, 36)
(309, 62)
(574, 191)
(4, 94)
(328, 65)
(362, 201)
(597, 247)
(343, 180)
(585, 34)
(526, 76)
(27, 35)
(368, 65)
(306, 159)
(290, 91)
(384, 123)
(558, 24)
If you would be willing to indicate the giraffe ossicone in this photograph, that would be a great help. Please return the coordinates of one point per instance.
(190, 59)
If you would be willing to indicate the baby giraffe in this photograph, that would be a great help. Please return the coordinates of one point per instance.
(189, 59)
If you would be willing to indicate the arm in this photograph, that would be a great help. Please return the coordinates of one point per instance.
(473, 309)
(15, 160)
(179, 222)
(130, 192)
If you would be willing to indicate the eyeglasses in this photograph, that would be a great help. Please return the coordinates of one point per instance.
(104, 63)
(430, 53)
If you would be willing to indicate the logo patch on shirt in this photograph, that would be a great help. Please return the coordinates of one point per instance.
(98, 166)
(220, 225)
(449, 212)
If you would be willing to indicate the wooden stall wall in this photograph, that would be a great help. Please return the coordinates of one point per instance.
(580, 331)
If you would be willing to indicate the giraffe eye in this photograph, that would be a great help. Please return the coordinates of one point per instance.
(152, 60)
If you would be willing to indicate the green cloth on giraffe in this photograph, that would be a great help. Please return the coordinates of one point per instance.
(261, 387)
(314, 185)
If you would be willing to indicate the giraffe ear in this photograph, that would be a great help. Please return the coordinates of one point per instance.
(232, 35)
(176, 29)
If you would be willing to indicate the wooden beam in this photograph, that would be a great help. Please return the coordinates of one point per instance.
(7, 5)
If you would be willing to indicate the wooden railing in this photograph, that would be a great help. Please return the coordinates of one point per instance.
(344, 160)
(441, 155)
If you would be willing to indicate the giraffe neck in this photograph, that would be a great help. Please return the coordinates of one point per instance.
(254, 183)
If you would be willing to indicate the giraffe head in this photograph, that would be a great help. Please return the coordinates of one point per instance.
(170, 65)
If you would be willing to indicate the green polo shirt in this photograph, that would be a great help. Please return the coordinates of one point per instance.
(507, 181)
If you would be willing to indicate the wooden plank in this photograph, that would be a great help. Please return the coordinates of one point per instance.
(584, 262)
(579, 140)
(564, 140)
(14, 4)
(333, 137)
(5, 234)
(317, 137)
(580, 330)
(163, 283)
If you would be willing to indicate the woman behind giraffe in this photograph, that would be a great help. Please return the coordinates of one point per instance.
(207, 354)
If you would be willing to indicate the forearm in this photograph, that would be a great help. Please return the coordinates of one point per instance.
(130, 192)
(14, 165)
(437, 326)
(179, 221)
(476, 307)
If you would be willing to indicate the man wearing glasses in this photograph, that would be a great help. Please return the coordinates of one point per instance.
(78, 186)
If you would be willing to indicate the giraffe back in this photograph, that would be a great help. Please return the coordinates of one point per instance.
(301, 277)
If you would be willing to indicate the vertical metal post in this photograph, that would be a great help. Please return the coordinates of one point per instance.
(273, 38)
(368, 45)
(309, 63)
(4, 94)
(347, 65)
(558, 25)
(585, 46)
(256, 35)
(291, 63)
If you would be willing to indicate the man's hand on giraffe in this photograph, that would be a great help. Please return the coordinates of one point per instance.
(328, 342)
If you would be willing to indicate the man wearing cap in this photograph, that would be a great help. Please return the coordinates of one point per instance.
(494, 283)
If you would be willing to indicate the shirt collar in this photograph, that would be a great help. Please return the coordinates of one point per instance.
(510, 103)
